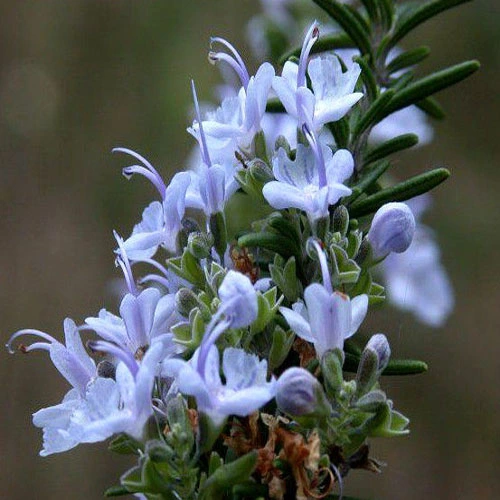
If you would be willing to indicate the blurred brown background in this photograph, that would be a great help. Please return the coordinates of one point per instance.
(80, 77)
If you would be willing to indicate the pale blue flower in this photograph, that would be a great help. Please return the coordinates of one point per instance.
(77, 367)
(392, 229)
(245, 389)
(125, 407)
(309, 183)
(142, 318)
(211, 185)
(328, 317)
(107, 407)
(144, 315)
(332, 94)
(415, 280)
(56, 421)
(161, 222)
(234, 124)
(72, 360)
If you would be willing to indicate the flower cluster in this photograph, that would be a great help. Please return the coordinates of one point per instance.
(225, 365)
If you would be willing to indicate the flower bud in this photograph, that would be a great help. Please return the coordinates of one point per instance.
(341, 220)
(331, 368)
(239, 299)
(374, 359)
(297, 392)
(217, 223)
(200, 244)
(185, 301)
(392, 229)
(372, 401)
(260, 171)
(380, 345)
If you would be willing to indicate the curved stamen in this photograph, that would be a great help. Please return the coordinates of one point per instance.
(318, 154)
(242, 73)
(230, 46)
(157, 265)
(156, 279)
(36, 345)
(147, 164)
(327, 282)
(124, 263)
(126, 357)
(155, 180)
(310, 39)
(202, 139)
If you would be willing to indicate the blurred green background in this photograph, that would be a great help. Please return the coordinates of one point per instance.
(80, 77)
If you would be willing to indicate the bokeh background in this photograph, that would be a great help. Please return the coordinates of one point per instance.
(80, 77)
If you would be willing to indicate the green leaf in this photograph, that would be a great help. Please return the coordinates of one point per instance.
(349, 22)
(408, 58)
(400, 192)
(376, 294)
(217, 223)
(419, 15)
(368, 78)
(282, 342)
(125, 445)
(270, 241)
(371, 9)
(285, 227)
(116, 491)
(386, 8)
(374, 113)
(393, 368)
(228, 475)
(214, 462)
(402, 82)
(352, 348)
(429, 85)
(324, 44)
(357, 14)
(340, 131)
(432, 108)
(405, 367)
(399, 143)
(387, 423)
(267, 309)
